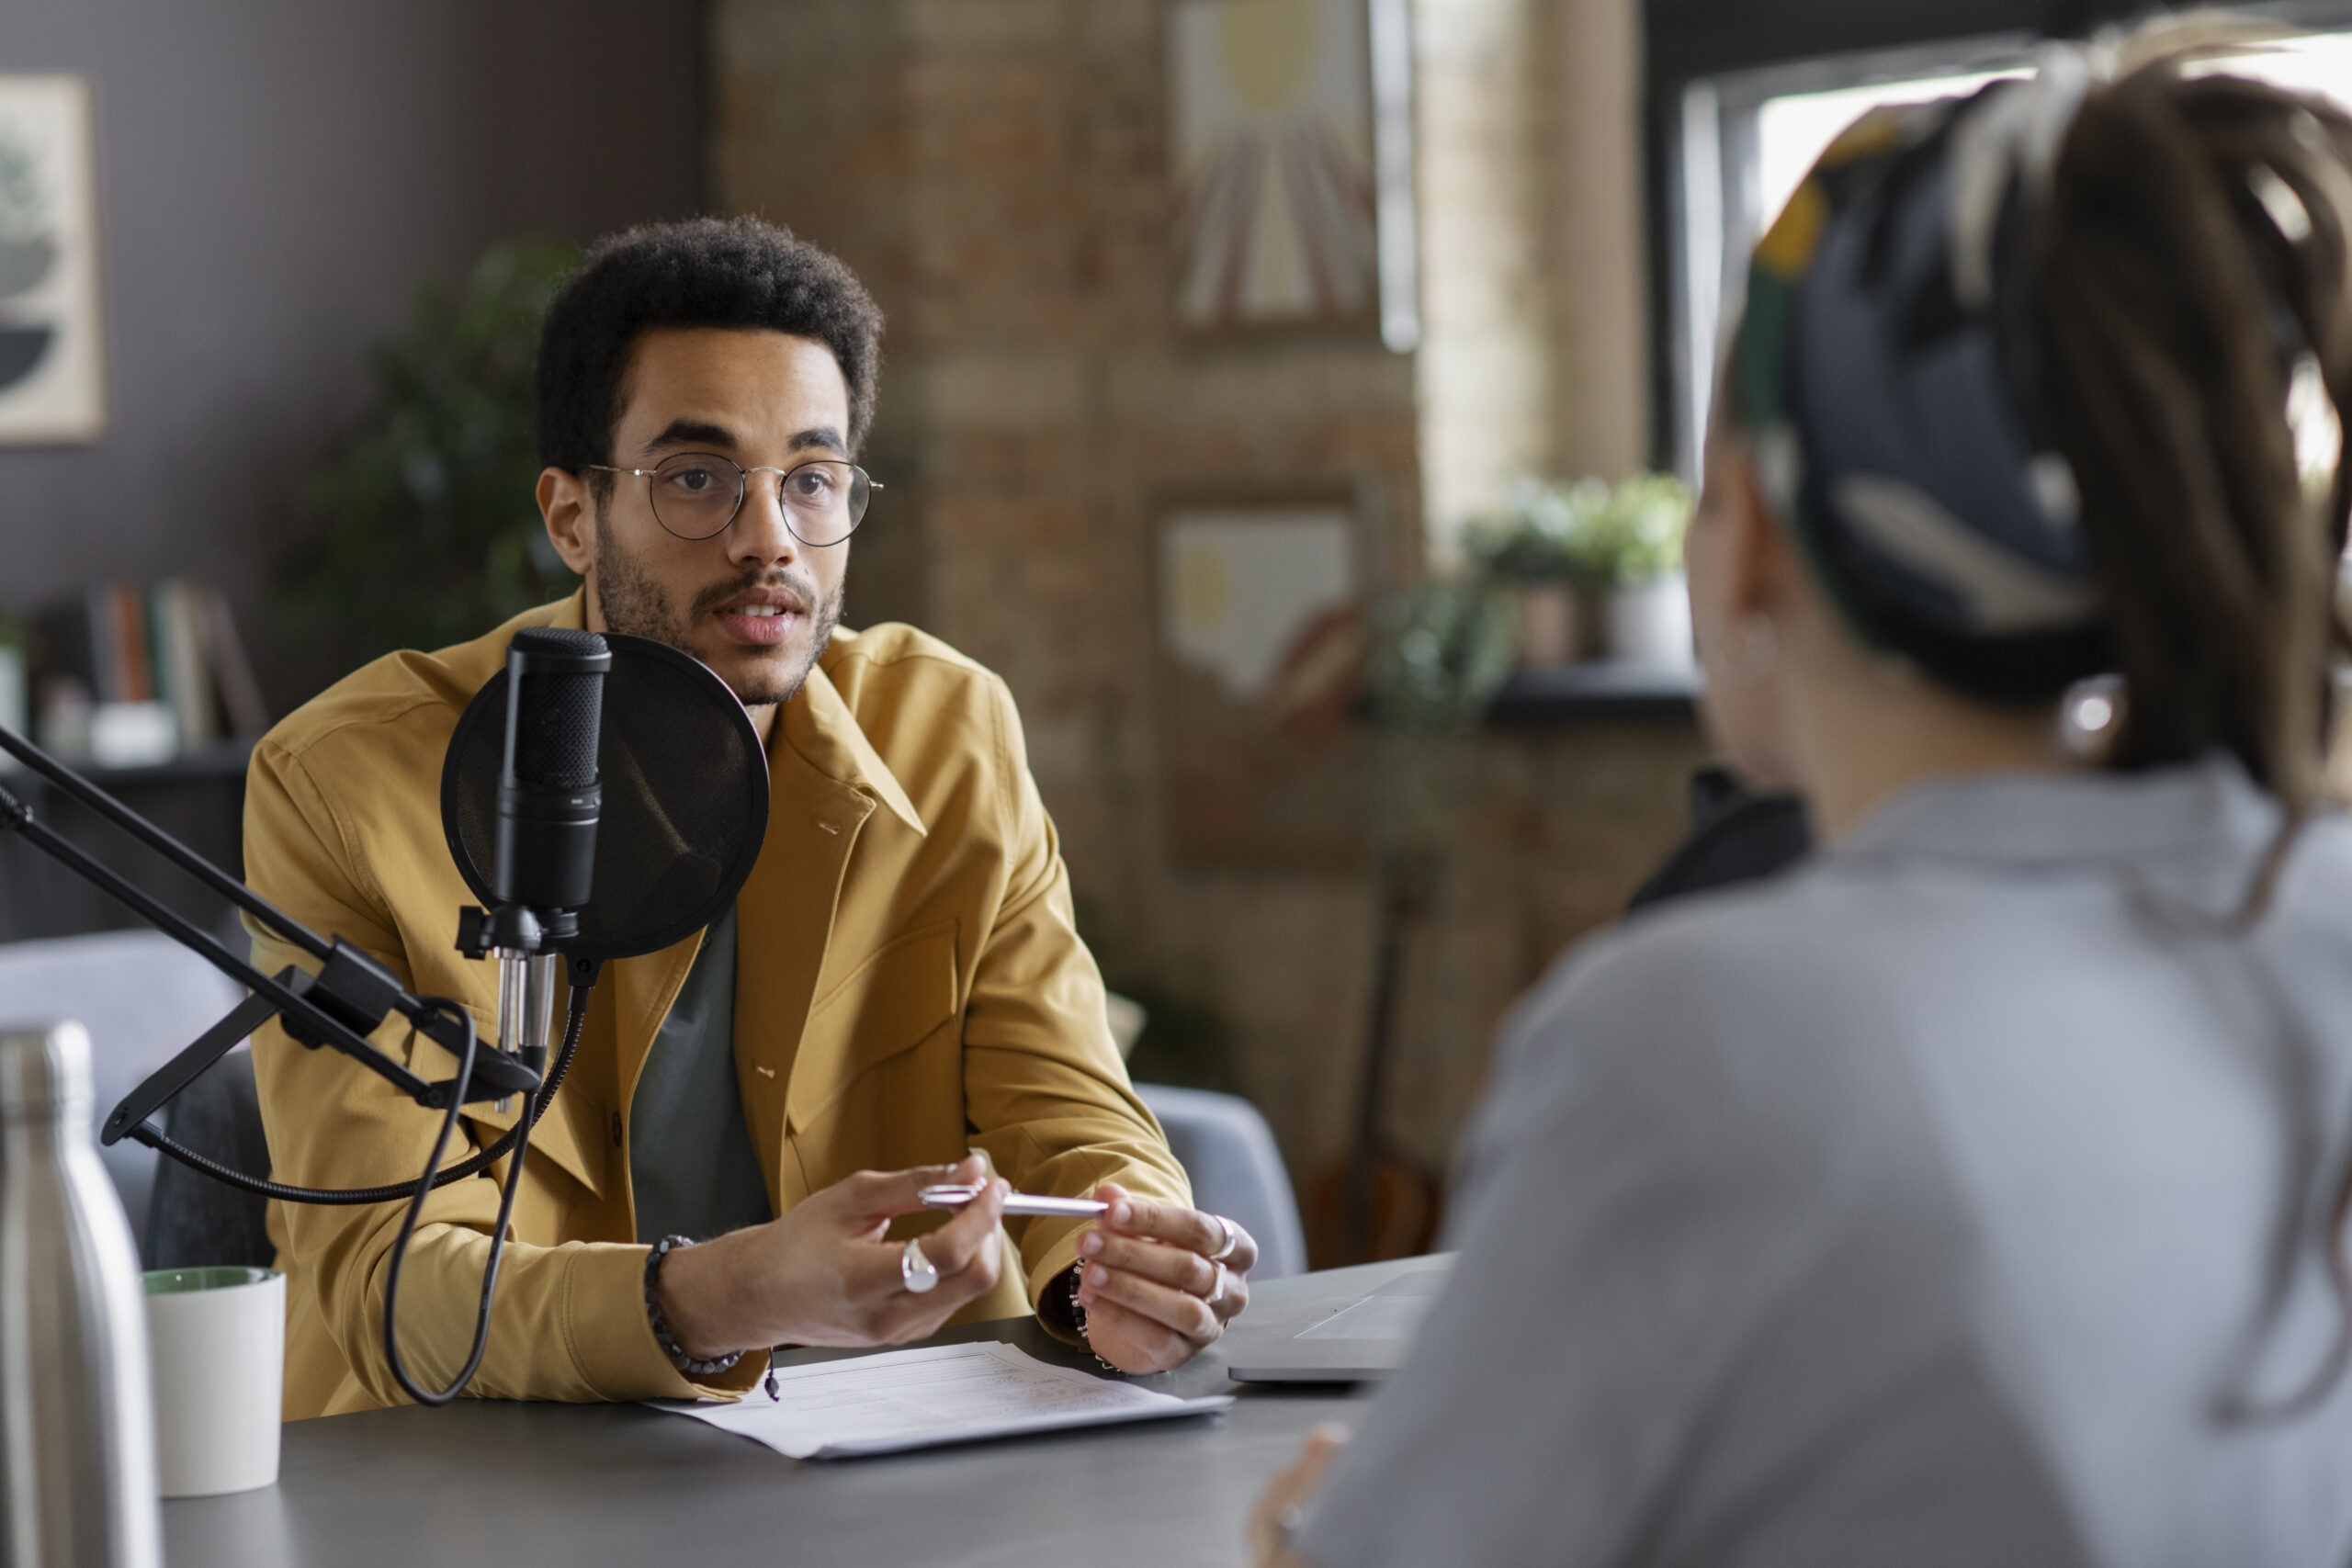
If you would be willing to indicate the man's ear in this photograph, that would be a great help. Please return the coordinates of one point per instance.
(571, 513)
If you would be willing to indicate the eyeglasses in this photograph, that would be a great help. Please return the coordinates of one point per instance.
(697, 494)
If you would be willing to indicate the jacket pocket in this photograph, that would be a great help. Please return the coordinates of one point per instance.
(888, 1004)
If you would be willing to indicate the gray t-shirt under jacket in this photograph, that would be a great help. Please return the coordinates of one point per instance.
(1949, 1200)
(691, 1168)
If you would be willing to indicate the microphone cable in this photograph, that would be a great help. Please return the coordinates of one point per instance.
(356, 1197)
(424, 1187)
(517, 1138)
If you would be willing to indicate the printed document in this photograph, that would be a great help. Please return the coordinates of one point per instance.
(916, 1399)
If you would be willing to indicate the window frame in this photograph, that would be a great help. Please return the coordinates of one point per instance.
(1711, 66)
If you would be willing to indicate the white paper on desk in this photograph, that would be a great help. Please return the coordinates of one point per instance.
(916, 1399)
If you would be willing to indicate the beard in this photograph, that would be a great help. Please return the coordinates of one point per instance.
(636, 605)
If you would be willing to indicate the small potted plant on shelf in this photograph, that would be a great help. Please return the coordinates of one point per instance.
(1537, 549)
(1637, 551)
(1567, 551)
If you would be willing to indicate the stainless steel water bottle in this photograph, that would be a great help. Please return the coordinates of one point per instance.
(77, 1417)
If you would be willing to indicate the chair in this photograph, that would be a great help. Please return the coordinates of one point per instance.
(192, 1220)
(1225, 1147)
(143, 998)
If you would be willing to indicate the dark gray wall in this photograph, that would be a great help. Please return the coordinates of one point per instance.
(275, 177)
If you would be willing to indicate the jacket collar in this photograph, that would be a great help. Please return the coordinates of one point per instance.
(817, 723)
(2195, 831)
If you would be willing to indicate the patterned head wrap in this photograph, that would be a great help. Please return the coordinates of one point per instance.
(1887, 368)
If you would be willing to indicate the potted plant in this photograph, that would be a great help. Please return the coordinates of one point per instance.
(421, 529)
(1636, 550)
(1536, 548)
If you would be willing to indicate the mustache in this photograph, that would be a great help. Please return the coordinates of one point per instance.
(800, 587)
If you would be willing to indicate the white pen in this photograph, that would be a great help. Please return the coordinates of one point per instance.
(954, 1195)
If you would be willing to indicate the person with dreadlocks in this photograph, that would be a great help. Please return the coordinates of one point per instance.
(1976, 1192)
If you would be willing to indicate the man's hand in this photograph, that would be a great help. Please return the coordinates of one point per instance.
(1276, 1515)
(1153, 1298)
(825, 1274)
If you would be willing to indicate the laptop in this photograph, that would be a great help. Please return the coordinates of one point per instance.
(1354, 1328)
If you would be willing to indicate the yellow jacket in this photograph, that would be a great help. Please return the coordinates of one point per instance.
(911, 984)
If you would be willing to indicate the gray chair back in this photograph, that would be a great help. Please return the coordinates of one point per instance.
(142, 997)
(1224, 1145)
(192, 1220)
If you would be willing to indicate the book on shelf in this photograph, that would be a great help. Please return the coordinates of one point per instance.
(173, 643)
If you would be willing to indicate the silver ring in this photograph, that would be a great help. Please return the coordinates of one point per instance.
(1223, 1274)
(916, 1270)
(1232, 1239)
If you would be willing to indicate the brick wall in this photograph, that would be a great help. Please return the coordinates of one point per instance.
(997, 171)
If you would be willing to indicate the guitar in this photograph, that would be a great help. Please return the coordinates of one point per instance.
(1378, 1203)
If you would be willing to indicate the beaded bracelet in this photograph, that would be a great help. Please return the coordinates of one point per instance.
(668, 1341)
(1077, 1311)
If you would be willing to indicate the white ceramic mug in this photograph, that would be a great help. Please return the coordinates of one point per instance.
(218, 1338)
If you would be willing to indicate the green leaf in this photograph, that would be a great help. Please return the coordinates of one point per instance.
(1584, 532)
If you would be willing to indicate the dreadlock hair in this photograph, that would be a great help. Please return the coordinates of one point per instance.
(2194, 257)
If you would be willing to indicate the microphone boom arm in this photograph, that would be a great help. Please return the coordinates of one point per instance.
(339, 1006)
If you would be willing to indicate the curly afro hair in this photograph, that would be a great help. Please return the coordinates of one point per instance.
(704, 272)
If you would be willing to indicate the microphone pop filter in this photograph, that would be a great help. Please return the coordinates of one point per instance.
(685, 806)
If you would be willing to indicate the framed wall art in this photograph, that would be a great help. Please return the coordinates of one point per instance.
(52, 361)
(1291, 132)
(1262, 638)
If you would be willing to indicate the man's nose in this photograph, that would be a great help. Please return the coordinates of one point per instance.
(761, 535)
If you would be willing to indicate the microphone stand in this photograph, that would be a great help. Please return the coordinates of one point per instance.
(347, 1001)
(348, 998)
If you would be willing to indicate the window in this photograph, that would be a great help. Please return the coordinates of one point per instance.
(1743, 138)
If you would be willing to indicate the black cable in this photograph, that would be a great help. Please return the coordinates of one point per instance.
(425, 1186)
(517, 1138)
(355, 1197)
(422, 1188)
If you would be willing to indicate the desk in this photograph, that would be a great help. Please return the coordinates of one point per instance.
(495, 1482)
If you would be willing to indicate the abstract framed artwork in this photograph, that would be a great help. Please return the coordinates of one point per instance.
(1261, 643)
(1290, 131)
(51, 363)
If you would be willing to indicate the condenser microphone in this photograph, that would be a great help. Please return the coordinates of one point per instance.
(549, 795)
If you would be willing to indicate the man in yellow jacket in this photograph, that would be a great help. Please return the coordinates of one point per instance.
(898, 996)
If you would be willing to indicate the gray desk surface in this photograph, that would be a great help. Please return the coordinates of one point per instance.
(512, 1484)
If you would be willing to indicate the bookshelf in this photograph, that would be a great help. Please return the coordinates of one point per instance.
(155, 678)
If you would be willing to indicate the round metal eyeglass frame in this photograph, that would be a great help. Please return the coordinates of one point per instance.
(858, 491)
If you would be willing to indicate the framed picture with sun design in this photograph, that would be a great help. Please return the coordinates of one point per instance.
(51, 369)
(1290, 132)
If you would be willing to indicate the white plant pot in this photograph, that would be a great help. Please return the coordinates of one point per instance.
(1650, 624)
